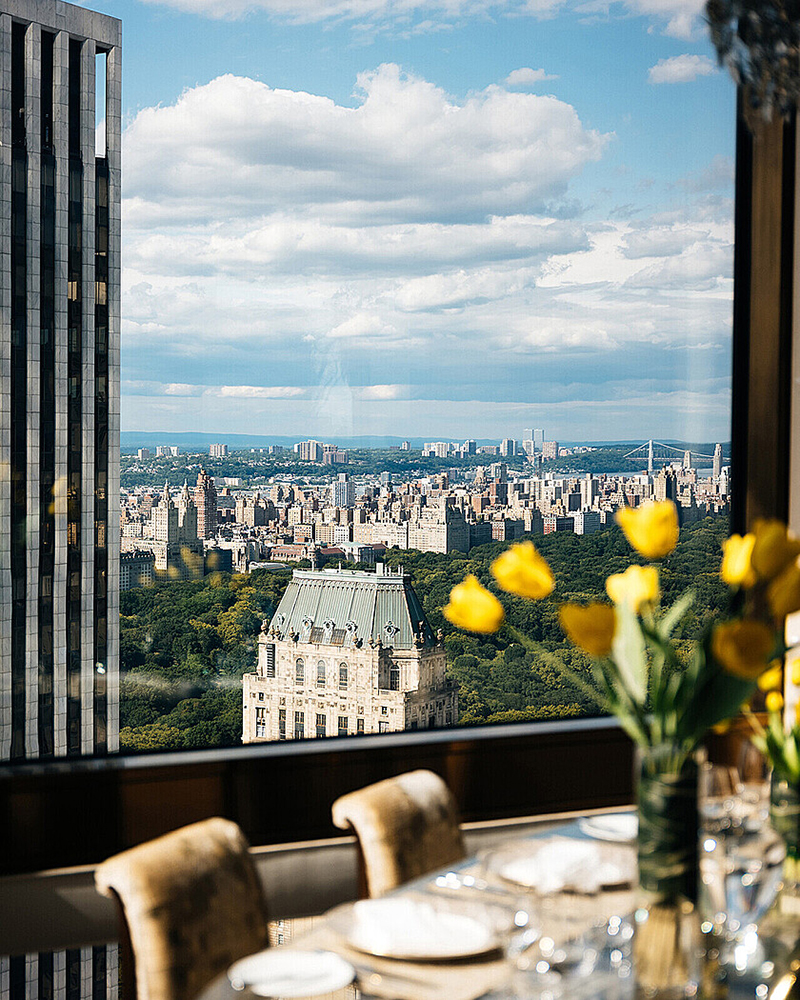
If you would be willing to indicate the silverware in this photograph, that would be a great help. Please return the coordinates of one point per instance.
(369, 979)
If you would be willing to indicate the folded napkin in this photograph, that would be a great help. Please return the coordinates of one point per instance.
(563, 864)
(409, 928)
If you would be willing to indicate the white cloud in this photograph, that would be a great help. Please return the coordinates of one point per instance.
(683, 18)
(660, 241)
(257, 391)
(681, 69)
(236, 148)
(362, 326)
(385, 392)
(527, 77)
(133, 387)
(699, 268)
(391, 251)
(719, 174)
(363, 12)
(680, 18)
(284, 245)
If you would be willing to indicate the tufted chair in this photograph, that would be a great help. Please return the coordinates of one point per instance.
(190, 904)
(406, 826)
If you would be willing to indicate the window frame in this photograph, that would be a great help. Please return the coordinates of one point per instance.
(106, 804)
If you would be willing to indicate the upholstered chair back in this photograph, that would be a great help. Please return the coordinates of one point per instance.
(191, 903)
(406, 826)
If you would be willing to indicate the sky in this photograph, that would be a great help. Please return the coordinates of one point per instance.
(430, 218)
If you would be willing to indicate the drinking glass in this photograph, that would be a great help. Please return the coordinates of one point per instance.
(720, 803)
(754, 771)
(741, 860)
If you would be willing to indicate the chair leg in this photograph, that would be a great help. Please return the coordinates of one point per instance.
(127, 962)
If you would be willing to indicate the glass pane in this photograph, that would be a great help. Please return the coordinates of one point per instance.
(490, 279)
(398, 290)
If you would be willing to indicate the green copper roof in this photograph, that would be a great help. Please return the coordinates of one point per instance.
(332, 606)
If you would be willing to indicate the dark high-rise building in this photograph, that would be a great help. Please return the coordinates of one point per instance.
(205, 499)
(59, 373)
(59, 415)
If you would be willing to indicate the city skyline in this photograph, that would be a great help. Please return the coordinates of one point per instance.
(402, 219)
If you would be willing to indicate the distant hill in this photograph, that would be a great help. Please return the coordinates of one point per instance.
(191, 441)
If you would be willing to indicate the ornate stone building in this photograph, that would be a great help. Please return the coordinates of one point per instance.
(177, 549)
(347, 653)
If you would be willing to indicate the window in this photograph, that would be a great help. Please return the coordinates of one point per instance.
(383, 727)
(299, 671)
(343, 726)
(671, 383)
(321, 725)
(281, 723)
(261, 723)
(299, 725)
(394, 677)
(269, 665)
(321, 673)
(359, 727)
(342, 676)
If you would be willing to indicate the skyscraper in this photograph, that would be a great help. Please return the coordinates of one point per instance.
(717, 461)
(342, 491)
(59, 414)
(59, 379)
(205, 498)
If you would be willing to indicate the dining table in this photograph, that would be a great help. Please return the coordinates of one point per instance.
(467, 886)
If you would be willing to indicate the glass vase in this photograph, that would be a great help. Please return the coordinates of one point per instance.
(667, 843)
(784, 813)
(667, 945)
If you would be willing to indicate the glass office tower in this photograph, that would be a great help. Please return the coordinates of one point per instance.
(59, 416)
(59, 380)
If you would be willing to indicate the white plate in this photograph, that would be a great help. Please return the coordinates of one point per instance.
(284, 972)
(566, 864)
(619, 828)
(413, 930)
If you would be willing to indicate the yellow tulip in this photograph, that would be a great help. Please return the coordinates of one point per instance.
(797, 713)
(742, 647)
(795, 671)
(522, 571)
(638, 585)
(652, 528)
(737, 569)
(783, 593)
(589, 626)
(774, 701)
(774, 549)
(771, 679)
(473, 608)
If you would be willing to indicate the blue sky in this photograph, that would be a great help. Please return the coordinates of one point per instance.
(446, 220)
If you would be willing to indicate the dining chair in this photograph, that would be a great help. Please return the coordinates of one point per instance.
(190, 903)
(405, 826)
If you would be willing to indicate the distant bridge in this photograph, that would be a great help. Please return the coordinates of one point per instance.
(656, 451)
